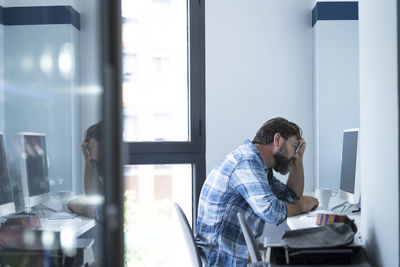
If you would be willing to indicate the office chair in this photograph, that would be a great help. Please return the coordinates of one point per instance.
(251, 243)
(189, 238)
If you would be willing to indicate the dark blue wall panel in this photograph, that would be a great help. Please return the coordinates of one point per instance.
(40, 15)
(335, 11)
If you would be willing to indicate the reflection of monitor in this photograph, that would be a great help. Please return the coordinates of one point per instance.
(6, 202)
(350, 172)
(34, 171)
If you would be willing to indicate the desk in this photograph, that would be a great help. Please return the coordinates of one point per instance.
(77, 226)
(309, 220)
(272, 234)
(271, 237)
(55, 243)
(358, 259)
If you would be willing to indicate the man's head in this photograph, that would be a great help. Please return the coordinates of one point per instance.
(94, 138)
(283, 134)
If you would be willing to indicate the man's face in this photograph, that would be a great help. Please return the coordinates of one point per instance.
(283, 158)
(93, 148)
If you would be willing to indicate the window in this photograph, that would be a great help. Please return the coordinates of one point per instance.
(156, 67)
(164, 113)
(150, 230)
(160, 68)
(130, 127)
(129, 67)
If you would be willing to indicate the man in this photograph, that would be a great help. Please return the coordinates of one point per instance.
(91, 146)
(244, 182)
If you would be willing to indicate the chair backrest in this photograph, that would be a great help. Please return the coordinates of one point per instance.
(188, 235)
(251, 243)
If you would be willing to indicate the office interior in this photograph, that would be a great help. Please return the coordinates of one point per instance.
(262, 59)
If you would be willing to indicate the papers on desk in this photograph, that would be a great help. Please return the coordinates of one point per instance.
(305, 221)
(61, 215)
(316, 212)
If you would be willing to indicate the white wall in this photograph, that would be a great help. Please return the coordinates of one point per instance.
(379, 136)
(2, 91)
(90, 78)
(336, 94)
(20, 3)
(258, 66)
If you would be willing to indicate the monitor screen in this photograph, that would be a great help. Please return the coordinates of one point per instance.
(349, 161)
(36, 164)
(5, 188)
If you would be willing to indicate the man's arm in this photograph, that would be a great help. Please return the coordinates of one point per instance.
(82, 207)
(304, 204)
(250, 180)
(295, 181)
(91, 176)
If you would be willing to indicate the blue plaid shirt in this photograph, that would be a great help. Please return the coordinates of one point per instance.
(240, 183)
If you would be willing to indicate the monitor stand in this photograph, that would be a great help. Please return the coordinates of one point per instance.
(36, 210)
(346, 206)
(27, 211)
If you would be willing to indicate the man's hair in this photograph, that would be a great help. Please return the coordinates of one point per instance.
(96, 132)
(285, 128)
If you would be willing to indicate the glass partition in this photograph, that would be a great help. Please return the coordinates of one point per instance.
(51, 129)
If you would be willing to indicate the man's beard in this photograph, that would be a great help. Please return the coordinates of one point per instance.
(282, 163)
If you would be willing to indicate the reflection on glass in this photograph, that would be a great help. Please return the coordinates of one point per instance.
(50, 90)
(155, 82)
(152, 233)
(66, 60)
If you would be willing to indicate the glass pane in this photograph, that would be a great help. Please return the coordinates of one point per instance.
(155, 82)
(152, 234)
(50, 93)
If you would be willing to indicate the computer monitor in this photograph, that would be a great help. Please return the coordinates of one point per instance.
(350, 182)
(34, 169)
(6, 201)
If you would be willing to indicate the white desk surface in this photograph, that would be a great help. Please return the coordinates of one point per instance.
(272, 234)
(77, 225)
(309, 220)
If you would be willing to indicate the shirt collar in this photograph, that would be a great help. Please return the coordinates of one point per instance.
(251, 146)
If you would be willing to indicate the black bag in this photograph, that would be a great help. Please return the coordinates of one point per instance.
(318, 245)
(326, 236)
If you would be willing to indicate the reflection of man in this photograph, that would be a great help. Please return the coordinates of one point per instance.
(91, 150)
(244, 182)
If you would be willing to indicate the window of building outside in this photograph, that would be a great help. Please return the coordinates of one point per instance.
(163, 118)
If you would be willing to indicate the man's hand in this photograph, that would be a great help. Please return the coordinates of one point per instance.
(85, 151)
(308, 203)
(295, 181)
(302, 148)
(304, 204)
(82, 206)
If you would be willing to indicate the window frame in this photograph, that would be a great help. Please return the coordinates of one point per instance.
(192, 151)
(111, 69)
